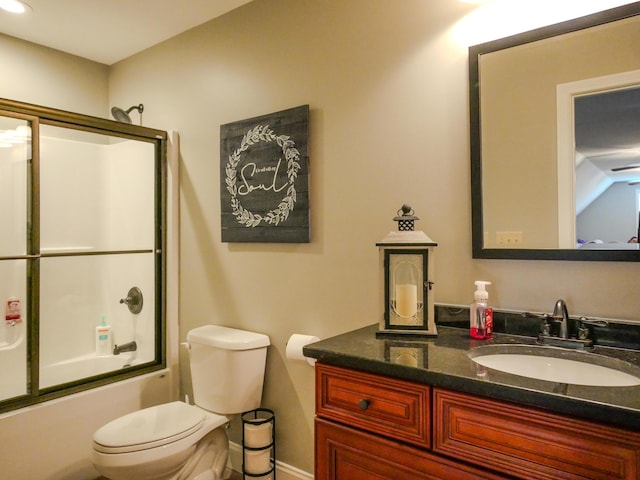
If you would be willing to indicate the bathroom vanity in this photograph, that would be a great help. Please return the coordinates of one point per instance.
(423, 409)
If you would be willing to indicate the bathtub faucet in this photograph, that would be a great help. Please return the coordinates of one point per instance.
(125, 347)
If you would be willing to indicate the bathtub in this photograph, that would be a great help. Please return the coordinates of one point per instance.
(85, 366)
(52, 440)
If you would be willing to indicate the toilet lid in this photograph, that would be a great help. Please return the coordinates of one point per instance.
(148, 428)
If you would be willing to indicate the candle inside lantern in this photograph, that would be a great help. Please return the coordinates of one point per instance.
(256, 462)
(406, 300)
(257, 435)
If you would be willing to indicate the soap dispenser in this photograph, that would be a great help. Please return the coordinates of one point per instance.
(480, 314)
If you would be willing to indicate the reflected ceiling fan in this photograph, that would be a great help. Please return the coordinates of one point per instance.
(626, 167)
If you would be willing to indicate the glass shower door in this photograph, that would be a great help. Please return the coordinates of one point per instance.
(82, 243)
(97, 241)
(15, 158)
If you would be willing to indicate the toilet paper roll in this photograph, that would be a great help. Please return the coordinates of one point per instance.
(294, 347)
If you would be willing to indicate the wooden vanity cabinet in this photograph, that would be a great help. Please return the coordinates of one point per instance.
(372, 427)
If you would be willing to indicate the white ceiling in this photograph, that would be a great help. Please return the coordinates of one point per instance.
(109, 30)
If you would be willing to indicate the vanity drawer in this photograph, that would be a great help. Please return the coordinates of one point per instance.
(531, 444)
(382, 405)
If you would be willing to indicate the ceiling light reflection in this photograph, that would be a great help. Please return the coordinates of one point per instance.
(501, 18)
(12, 137)
(14, 6)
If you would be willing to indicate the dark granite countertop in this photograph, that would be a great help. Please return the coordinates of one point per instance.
(443, 361)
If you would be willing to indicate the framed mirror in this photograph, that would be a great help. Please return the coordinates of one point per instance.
(555, 141)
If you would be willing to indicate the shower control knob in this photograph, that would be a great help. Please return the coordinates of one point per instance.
(133, 300)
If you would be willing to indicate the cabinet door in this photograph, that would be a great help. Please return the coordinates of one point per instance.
(531, 444)
(343, 453)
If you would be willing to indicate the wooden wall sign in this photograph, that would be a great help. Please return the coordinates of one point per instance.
(264, 173)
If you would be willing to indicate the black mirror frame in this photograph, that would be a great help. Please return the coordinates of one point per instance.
(475, 51)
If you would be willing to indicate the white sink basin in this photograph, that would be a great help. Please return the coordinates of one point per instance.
(557, 365)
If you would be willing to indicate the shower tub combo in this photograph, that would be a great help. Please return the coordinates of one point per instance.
(82, 213)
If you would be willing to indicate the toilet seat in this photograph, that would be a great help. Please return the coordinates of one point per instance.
(152, 427)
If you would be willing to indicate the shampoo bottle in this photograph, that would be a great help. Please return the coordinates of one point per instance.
(104, 338)
(481, 315)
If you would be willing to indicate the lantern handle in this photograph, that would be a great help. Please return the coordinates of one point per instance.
(405, 210)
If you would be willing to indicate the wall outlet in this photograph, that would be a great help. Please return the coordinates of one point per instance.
(509, 238)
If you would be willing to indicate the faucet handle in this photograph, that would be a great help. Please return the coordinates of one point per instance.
(545, 326)
(593, 322)
(583, 330)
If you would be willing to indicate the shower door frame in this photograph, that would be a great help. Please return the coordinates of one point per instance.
(38, 115)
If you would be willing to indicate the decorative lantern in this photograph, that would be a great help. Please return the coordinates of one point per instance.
(407, 288)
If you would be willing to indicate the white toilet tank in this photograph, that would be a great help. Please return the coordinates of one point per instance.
(227, 368)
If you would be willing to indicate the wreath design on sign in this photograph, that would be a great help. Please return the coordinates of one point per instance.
(262, 133)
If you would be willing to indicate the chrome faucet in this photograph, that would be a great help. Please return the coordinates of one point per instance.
(125, 347)
(561, 315)
(561, 335)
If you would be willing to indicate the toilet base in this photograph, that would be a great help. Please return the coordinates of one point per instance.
(209, 460)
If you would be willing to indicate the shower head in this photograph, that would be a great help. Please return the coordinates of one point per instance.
(123, 115)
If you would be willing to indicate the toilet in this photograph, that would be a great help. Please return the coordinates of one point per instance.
(178, 441)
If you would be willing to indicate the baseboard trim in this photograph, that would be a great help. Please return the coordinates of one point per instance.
(283, 470)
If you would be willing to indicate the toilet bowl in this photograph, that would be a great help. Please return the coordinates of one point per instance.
(178, 441)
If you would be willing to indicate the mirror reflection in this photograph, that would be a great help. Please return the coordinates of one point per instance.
(607, 168)
(555, 138)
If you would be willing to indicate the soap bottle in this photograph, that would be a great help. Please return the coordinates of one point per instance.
(104, 339)
(481, 315)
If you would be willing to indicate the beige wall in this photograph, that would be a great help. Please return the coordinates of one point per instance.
(387, 94)
(43, 76)
(387, 88)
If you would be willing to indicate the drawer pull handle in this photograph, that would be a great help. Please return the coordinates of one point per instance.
(363, 404)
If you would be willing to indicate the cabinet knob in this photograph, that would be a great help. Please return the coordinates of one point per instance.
(364, 404)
